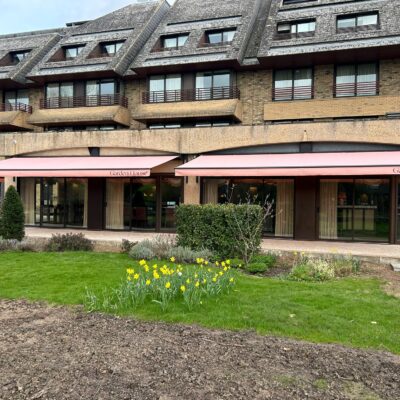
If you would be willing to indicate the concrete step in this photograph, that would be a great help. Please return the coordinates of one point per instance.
(396, 266)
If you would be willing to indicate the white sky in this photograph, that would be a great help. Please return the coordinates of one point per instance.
(28, 15)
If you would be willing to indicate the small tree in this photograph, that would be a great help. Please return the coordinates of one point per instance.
(12, 216)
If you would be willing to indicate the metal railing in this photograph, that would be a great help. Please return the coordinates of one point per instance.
(84, 101)
(16, 107)
(293, 93)
(356, 89)
(215, 93)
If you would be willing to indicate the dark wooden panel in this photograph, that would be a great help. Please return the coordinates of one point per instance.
(96, 188)
(305, 208)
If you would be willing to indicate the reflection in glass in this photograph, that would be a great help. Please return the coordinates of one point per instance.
(76, 201)
(144, 203)
(171, 197)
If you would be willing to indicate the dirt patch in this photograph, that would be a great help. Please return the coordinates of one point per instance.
(385, 273)
(60, 353)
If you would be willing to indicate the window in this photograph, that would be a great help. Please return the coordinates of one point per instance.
(207, 124)
(356, 80)
(16, 100)
(285, 2)
(293, 84)
(164, 126)
(165, 88)
(59, 95)
(358, 22)
(213, 85)
(174, 42)
(296, 29)
(72, 52)
(110, 49)
(102, 92)
(220, 36)
(18, 56)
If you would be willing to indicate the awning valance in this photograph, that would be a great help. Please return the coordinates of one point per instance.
(296, 164)
(83, 167)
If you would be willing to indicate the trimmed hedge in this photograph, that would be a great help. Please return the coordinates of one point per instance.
(12, 216)
(216, 227)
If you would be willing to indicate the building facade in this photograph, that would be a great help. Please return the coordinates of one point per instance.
(112, 123)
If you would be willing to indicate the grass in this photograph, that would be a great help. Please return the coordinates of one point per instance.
(339, 311)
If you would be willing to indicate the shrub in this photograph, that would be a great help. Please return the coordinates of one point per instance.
(313, 270)
(12, 216)
(15, 245)
(346, 266)
(126, 245)
(69, 242)
(268, 259)
(228, 230)
(187, 255)
(257, 268)
(237, 263)
(142, 251)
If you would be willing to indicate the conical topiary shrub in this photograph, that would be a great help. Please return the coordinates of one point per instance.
(12, 216)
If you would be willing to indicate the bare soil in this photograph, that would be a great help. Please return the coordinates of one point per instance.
(63, 353)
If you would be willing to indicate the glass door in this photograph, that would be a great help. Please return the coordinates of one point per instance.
(76, 199)
(144, 203)
(52, 202)
(171, 197)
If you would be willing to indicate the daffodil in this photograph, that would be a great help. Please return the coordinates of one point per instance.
(188, 281)
(130, 271)
(228, 262)
(156, 275)
(148, 282)
(214, 279)
(142, 262)
(173, 259)
(231, 280)
(204, 281)
(183, 289)
(168, 285)
(136, 277)
(197, 284)
(217, 263)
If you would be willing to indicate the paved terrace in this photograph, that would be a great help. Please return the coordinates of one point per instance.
(374, 252)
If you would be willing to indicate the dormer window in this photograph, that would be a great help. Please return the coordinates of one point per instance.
(296, 29)
(109, 49)
(18, 56)
(72, 52)
(222, 36)
(358, 22)
(174, 42)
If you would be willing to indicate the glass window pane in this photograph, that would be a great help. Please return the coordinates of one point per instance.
(302, 83)
(228, 36)
(53, 206)
(144, 203)
(109, 48)
(283, 85)
(10, 98)
(214, 38)
(76, 202)
(170, 42)
(345, 80)
(203, 80)
(118, 208)
(173, 82)
(23, 97)
(52, 90)
(182, 40)
(107, 88)
(66, 90)
(363, 20)
(171, 197)
(306, 27)
(222, 80)
(118, 46)
(343, 23)
(92, 88)
(366, 80)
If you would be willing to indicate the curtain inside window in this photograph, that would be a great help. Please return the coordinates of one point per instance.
(345, 80)
(284, 209)
(302, 83)
(366, 80)
(28, 199)
(283, 85)
(328, 228)
(211, 190)
(115, 204)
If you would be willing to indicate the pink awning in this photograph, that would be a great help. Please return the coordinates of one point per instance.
(82, 167)
(296, 164)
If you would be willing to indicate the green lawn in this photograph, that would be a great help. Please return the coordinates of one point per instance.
(339, 311)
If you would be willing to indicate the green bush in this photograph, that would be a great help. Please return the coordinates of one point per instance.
(227, 230)
(148, 249)
(313, 270)
(69, 242)
(268, 259)
(12, 218)
(142, 251)
(257, 268)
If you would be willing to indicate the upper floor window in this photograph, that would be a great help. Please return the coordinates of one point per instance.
(163, 88)
(296, 29)
(174, 41)
(16, 100)
(356, 80)
(213, 85)
(357, 22)
(109, 49)
(293, 84)
(18, 56)
(220, 36)
(72, 52)
(285, 2)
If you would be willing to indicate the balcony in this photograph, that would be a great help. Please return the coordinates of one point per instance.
(218, 102)
(106, 109)
(173, 96)
(14, 117)
(84, 101)
(293, 93)
(339, 107)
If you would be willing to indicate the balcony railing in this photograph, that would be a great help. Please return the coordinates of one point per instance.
(216, 93)
(84, 101)
(356, 89)
(293, 93)
(16, 107)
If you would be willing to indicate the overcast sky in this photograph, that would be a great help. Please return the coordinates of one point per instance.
(28, 15)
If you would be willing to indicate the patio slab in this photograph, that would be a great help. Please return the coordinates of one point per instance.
(373, 252)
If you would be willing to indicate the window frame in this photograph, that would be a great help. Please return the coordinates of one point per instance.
(297, 34)
(357, 65)
(292, 95)
(66, 48)
(14, 56)
(176, 37)
(357, 27)
(164, 98)
(111, 43)
(220, 32)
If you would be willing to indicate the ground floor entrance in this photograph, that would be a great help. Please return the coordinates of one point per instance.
(102, 203)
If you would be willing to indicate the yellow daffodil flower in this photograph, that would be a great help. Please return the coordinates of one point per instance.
(148, 282)
(142, 262)
(183, 289)
(130, 271)
(168, 285)
(173, 259)
(136, 277)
